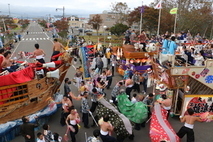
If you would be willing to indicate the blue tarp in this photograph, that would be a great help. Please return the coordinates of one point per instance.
(10, 130)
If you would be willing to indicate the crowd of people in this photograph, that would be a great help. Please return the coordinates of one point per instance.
(101, 79)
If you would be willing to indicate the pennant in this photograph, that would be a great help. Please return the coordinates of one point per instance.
(173, 11)
(142, 9)
(158, 6)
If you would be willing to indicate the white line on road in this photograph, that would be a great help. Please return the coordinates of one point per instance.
(15, 49)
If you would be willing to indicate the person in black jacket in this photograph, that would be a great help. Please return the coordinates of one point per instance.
(27, 129)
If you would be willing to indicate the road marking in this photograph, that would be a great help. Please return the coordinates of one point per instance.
(33, 38)
(26, 38)
(30, 39)
(37, 38)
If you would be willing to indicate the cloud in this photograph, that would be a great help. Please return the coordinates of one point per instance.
(44, 7)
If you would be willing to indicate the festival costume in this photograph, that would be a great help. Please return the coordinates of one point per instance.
(187, 129)
(121, 124)
(40, 58)
(54, 53)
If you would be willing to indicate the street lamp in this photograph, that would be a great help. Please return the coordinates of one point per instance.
(104, 34)
(63, 11)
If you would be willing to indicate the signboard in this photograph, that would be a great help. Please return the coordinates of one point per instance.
(201, 104)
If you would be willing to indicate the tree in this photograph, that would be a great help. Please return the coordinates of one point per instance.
(61, 25)
(118, 29)
(121, 11)
(150, 18)
(96, 22)
(193, 15)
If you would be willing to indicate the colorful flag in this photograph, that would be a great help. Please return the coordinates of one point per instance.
(173, 11)
(158, 6)
(142, 9)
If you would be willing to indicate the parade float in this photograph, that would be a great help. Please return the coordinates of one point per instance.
(187, 85)
(132, 56)
(28, 91)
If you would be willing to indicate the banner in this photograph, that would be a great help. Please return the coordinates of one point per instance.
(87, 53)
(201, 104)
(173, 11)
(142, 9)
(158, 6)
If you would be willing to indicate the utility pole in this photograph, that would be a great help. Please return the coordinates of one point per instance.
(9, 9)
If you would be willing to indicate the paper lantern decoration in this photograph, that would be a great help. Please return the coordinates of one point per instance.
(162, 87)
(187, 89)
(149, 70)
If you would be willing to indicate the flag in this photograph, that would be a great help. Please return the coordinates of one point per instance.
(173, 11)
(158, 6)
(142, 9)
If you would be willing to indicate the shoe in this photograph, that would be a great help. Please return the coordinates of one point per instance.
(86, 127)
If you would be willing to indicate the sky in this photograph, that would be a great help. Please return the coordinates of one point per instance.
(81, 8)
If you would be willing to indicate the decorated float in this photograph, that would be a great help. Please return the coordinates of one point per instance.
(27, 91)
(188, 86)
(132, 57)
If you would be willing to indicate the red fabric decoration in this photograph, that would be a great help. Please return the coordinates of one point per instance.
(157, 132)
(6, 94)
(58, 62)
(21, 76)
(55, 56)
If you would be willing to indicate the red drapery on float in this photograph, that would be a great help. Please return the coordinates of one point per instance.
(21, 76)
(160, 129)
(17, 77)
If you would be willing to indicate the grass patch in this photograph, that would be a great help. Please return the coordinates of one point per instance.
(115, 41)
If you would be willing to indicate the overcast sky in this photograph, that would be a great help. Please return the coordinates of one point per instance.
(82, 8)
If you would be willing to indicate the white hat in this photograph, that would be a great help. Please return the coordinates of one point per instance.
(162, 87)
(149, 70)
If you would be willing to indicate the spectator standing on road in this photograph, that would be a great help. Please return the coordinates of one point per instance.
(48, 136)
(108, 77)
(136, 80)
(27, 129)
(67, 88)
(94, 138)
(19, 37)
(133, 37)
(116, 91)
(57, 46)
(40, 137)
(127, 36)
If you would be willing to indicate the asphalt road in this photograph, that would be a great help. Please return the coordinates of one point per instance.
(203, 131)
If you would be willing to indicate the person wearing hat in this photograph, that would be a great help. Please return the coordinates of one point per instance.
(136, 80)
(145, 76)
